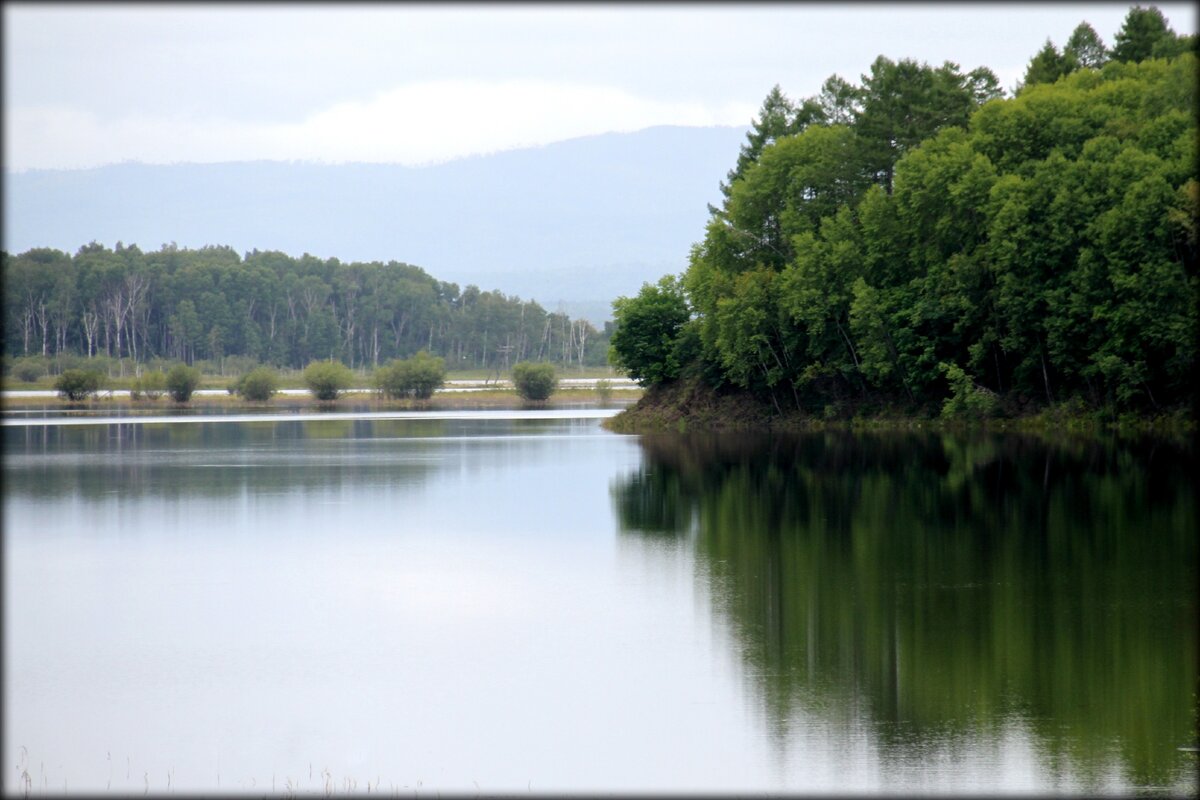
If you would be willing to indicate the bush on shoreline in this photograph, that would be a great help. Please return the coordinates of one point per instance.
(327, 379)
(78, 384)
(151, 384)
(182, 381)
(534, 382)
(418, 377)
(258, 385)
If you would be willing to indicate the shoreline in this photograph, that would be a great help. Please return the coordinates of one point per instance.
(688, 407)
(489, 398)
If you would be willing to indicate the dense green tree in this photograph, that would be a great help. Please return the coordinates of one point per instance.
(1085, 48)
(777, 118)
(952, 250)
(645, 343)
(906, 102)
(1142, 31)
(1047, 66)
(840, 101)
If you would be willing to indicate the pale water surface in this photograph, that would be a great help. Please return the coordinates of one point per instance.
(523, 602)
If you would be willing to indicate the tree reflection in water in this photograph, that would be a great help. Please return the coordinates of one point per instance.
(941, 586)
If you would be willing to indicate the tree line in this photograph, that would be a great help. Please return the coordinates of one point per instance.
(210, 303)
(920, 240)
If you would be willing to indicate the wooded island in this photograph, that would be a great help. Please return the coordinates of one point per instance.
(919, 244)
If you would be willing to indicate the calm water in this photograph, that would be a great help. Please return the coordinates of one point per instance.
(485, 602)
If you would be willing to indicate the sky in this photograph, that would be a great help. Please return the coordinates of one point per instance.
(88, 85)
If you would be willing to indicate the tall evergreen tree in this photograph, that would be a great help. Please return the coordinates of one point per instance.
(840, 101)
(1143, 29)
(1085, 47)
(1047, 66)
(777, 118)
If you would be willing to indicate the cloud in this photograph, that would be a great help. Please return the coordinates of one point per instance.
(412, 124)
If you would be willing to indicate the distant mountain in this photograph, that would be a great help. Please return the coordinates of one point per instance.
(571, 224)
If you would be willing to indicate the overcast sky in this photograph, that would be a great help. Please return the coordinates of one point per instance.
(91, 85)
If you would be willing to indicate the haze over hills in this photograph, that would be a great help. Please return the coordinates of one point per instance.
(572, 224)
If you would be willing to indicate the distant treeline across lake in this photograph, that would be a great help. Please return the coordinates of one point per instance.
(211, 303)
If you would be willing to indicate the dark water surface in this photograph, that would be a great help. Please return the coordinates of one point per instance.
(505, 604)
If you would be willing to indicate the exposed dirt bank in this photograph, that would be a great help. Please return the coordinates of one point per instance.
(693, 405)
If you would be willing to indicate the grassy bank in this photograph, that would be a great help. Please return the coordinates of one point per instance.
(691, 405)
(294, 379)
(489, 398)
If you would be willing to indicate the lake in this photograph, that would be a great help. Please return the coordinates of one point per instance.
(524, 602)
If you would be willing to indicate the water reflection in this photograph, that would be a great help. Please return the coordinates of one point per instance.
(947, 589)
(269, 455)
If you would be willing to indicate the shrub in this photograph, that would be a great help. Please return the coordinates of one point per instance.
(78, 384)
(390, 380)
(534, 381)
(426, 374)
(66, 361)
(151, 384)
(182, 380)
(604, 390)
(327, 379)
(967, 400)
(29, 369)
(237, 365)
(419, 377)
(257, 385)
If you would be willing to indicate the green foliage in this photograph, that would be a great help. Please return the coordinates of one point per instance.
(945, 538)
(78, 384)
(391, 380)
(778, 118)
(1143, 30)
(941, 247)
(327, 379)
(419, 377)
(426, 374)
(28, 369)
(645, 342)
(151, 384)
(534, 381)
(1085, 48)
(604, 390)
(182, 380)
(258, 385)
(967, 400)
(1047, 66)
(212, 306)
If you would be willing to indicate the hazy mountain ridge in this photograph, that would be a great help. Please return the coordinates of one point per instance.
(571, 224)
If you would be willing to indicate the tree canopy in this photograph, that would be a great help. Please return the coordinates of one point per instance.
(941, 246)
(208, 303)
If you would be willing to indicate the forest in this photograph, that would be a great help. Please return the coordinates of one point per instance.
(209, 305)
(920, 241)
